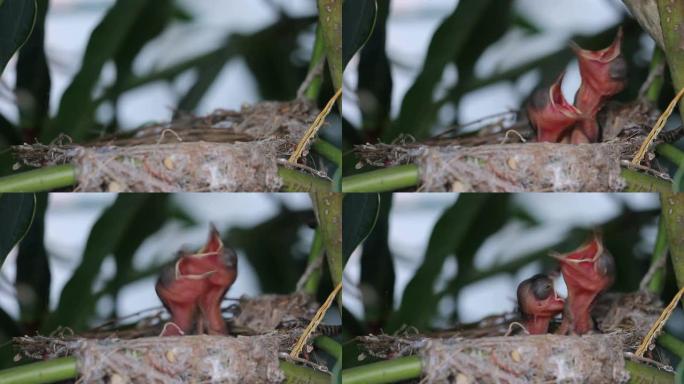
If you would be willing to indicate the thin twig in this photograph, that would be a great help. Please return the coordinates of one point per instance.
(659, 125)
(658, 325)
(297, 349)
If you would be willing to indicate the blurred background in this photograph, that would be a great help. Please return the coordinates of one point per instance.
(433, 261)
(486, 59)
(173, 56)
(101, 253)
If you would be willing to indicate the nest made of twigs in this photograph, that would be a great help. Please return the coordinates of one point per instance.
(485, 353)
(225, 151)
(268, 328)
(502, 158)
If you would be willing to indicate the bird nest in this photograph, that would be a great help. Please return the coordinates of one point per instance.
(225, 151)
(500, 158)
(486, 353)
(268, 327)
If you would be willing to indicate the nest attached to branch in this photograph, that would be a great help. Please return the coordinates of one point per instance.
(273, 324)
(527, 167)
(226, 151)
(497, 158)
(466, 356)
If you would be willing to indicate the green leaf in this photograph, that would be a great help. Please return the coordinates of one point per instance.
(76, 304)
(358, 20)
(375, 79)
(150, 23)
(145, 223)
(277, 235)
(17, 211)
(33, 271)
(377, 270)
(419, 300)
(33, 80)
(447, 43)
(16, 23)
(360, 213)
(75, 115)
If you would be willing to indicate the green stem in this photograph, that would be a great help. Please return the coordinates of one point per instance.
(311, 286)
(317, 55)
(62, 176)
(658, 280)
(671, 153)
(672, 343)
(329, 345)
(389, 371)
(671, 20)
(410, 367)
(382, 180)
(642, 373)
(64, 368)
(299, 374)
(656, 86)
(294, 181)
(328, 151)
(49, 371)
(672, 206)
(641, 182)
(330, 20)
(38, 180)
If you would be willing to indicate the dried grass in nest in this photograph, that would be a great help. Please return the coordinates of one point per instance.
(268, 312)
(274, 323)
(469, 356)
(226, 151)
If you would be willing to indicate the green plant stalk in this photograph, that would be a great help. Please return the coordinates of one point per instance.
(299, 374)
(330, 20)
(672, 344)
(328, 151)
(653, 91)
(642, 373)
(295, 181)
(62, 176)
(49, 371)
(64, 368)
(42, 179)
(317, 55)
(389, 371)
(329, 345)
(641, 182)
(405, 176)
(311, 285)
(671, 20)
(672, 205)
(382, 180)
(671, 153)
(406, 368)
(657, 282)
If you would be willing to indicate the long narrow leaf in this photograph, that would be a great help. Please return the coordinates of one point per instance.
(76, 107)
(16, 211)
(76, 303)
(447, 42)
(419, 301)
(16, 22)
